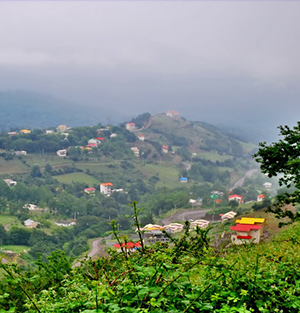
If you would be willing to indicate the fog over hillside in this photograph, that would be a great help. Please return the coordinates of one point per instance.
(231, 64)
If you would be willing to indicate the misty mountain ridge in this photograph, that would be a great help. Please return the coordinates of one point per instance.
(27, 109)
(35, 110)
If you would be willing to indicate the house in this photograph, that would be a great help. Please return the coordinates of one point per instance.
(106, 189)
(267, 185)
(62, 128)
(66, 223)
(90, 191)
(130, 126)
(65, 134)
(216, 192)
(164, 149)
(129, 246)
(32, 207)
(247, 229)
(197, 202)
(62, 153)
(22, 152)
(113, 135)
(25, 131)
(9, 182)
(260, 198)
(12, 133)
(141, 137)
(94, 142)
(136, 151)
(237, 198)
(48, 132)
(250, 220)
(30, 223)
(183, 180)
(92, 145)
(173, 114)
(228, 216)
(199, 223)
(174, 228)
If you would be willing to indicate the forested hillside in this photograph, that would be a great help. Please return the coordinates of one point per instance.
(48, 188)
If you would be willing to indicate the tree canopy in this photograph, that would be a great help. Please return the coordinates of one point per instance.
(282, 159)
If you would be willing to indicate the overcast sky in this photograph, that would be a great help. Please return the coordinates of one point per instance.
(222, 62)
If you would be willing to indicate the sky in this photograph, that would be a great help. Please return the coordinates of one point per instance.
(229, 63)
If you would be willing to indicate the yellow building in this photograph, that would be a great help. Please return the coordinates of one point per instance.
(248, 229)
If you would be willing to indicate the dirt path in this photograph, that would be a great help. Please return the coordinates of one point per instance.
(6, 227)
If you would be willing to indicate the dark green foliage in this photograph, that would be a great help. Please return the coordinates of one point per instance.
(184, 275)
(283, 158)
(141, 120)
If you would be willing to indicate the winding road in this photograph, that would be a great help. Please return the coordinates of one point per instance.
(241, 181)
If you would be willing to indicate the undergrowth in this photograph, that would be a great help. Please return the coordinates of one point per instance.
(184, 275)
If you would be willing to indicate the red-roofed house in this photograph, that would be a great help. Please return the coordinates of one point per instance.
(247, 232)
(141, 137)
(173, 114)
(89, 191)
(130, 126)
(128, 246)
(261, 198)
(238, 198)
(165, 149)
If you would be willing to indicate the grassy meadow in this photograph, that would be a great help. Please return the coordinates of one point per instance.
(77, 177)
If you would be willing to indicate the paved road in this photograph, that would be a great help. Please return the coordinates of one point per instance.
(241, 181)
(184, 215)
(97, 249)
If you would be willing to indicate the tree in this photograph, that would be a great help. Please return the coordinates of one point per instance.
(283, 158)
(35, 171)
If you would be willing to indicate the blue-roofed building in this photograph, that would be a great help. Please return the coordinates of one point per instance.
(183, 180)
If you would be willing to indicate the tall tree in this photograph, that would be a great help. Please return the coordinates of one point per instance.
(282, 159)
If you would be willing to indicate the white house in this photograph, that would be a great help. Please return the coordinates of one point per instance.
(228, 215)
(267, 185)
(136, 151)
(30, 223)
(22, 152)
(106, 189)
(66, 223)
(62, 153)
(32, 207)
(10, 182)
(199, 223)
(141, 137)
